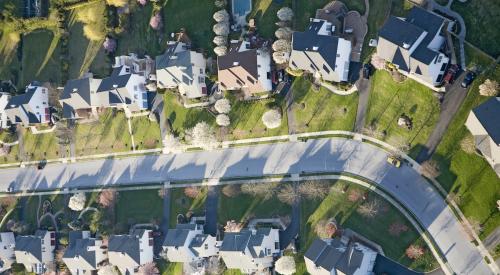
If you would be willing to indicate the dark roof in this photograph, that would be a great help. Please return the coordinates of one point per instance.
(311, 41)
(400, 60)
(81, 86)
(418, 71)
(31, 244)
(246, 59)
(488, 114)
(78, 247)
(68, 111)
(109, 83)
(428, 21)
(21, 99)
(177, 237)
(399, 31)
(239, 241)
(335, 255)
(127, 244)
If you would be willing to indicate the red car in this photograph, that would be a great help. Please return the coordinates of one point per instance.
(450, 74)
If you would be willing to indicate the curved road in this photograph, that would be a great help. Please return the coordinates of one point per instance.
(319, 155)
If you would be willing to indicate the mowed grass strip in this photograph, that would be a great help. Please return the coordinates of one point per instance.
(146, 133)
(40, 146)
(182, 118)
(139, 206)
(264, 13)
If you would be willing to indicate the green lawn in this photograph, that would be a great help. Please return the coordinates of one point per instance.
(195, 16)
(139, 206)
(13, 156)
(146, 133)
(336, 205)
(108, 134)
(264, 13)
(244, 207)
(482, 18)
(469, 175)
(40, 146)
(31, 209)
(246, 117)
(184, 118)
(476, 58)
(167, 268)
(389, 100)
(180, 204)
(322, 110)
(307, 9)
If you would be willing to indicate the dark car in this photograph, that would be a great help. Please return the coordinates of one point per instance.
(450, 74)
(469, 77)
(42, 164)
(367, 69)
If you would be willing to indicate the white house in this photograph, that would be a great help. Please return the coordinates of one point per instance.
(36, 252)
(250, 250)
(29, 108)
(414, 45)
(84, 253)
(7, 256)
(129, 252)
(339, 257)
(321, 53)
(141, 66)
(484, 124)
(182, 69)
(4, 120)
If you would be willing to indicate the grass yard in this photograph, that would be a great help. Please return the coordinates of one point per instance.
(322, 110)
(41, 146)
(307, 9)
(181, 204)
(184, 118)
(389, 100)
(482, 18)
(264, 13)
(146, 133)
(13, 155)
(195, 16)
(337, 205)
(41, 58)
(139, 206)
(108, 134)
(246, 117)
(10, 65)
(30, 214)
(243, 207)
(475, 58)
(469, 175)
(167, 268)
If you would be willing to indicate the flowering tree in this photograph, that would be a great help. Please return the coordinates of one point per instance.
(285, 14)
(284, 33)
(77, 201)
(149, 269)
(220, 40)
(223, 120)
(107, 197)
(223, 106)
(192, 192)
(107, 270)
(414, 252)
(202, 135)
(220, 50)
(281, 57)
(272, 119)
(264, 190)
(142, 2)
(233, 226)
(221, 28)
(282, 45)
(172, 144)
(489, 88)
(155, 22)
(285, 265)
(109, 44)
(221, 16)
(325, 228)
(314, 189)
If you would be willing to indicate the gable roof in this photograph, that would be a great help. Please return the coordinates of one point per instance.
(400, 60)
(177, 237)
(127, 245)
(399, 31)
(80, 86)
(31, 246)
(488, 115)
(334, 256)
(114, 81)
(78, 255)
(245, 59)
(311, 41)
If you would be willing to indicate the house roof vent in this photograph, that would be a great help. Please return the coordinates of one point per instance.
(406, 45)
(115, 86)
(236, 63)
(75, 90)
(315, 48)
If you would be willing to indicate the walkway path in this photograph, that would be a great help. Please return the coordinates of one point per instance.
(314, 156)
(129, 123)
(334, 90)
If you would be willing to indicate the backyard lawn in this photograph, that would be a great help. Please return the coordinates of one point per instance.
(139, 206)
(106, 135)
(183, 118)
(40, 146)
(475, 58)
(146, 133)
(337, 205)
(482, 18)
(469, 175)
(264, 13)
(246, 117)
(181, 204)
(389, 100)
(322, 110)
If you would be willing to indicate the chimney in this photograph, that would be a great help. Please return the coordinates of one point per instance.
(406, 45)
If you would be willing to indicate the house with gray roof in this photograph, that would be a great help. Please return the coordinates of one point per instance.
(84, 253)
(250, 250)
(339, 256)
(4, 120)
(79, 98)
(7, 256)
(36, 252)
(484, 124)
(129, 252)
(244, 68)
(414, 45)
(187, 243)
(142, 66)
(319, 52)
(29, 108)
(183, 69)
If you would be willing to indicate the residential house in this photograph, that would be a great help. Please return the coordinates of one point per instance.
(36, 252)
(4, 101)
(250, 250)
(129, 252)
(414, 45)
(79, 98)
(321, 53)
(84, 253)
(7, 256)
(29, 108)
(243, 68)
(182, 69)
(188, 244)
(339, 256)
(484, 124)
(141, 66)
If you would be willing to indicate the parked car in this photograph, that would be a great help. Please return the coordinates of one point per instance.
(395, 161)
(367, 69)
(450, 74)
(42, 164)
(469, 77)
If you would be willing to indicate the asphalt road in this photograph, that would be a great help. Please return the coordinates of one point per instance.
(319, 155)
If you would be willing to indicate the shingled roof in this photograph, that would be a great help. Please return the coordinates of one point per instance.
(488, 115)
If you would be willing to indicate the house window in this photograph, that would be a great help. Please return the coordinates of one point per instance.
(201, 71)
(326, 68)
(250, 79)
(201, 79)
(206, 246)
(268, 251)
(338, 55)
(37, 107)
(443, 67)
(268, 75)
(44, 103)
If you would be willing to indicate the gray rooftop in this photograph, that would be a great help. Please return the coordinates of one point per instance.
(488, 114)
(335, 256)
(177, 237)
(31, 244)
(127, 244)
(78, 250)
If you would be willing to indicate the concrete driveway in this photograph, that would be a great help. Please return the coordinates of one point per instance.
(314, 156)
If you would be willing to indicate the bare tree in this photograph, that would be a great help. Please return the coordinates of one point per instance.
(396, 228)
(149, 269)
(285, 14)
(192, 191)
(314, 189)
(264, 190)
(156, 22)
(8, 201)
(372, 131)
(223, 106)
(231, 190)
(107, 198)
(430, 169)
(369, 209)
(172, 143)
(220, 50)
(399, 143)
(221, 16)
(325, 228)
(489, 88)
(285, 265)
(414, 252)
(468, 145)
(233, 226)
(272, 119)
(288, 194)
